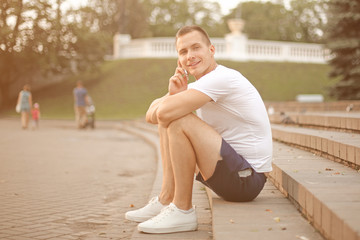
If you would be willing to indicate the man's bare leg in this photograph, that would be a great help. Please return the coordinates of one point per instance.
(191, 142)
(168, 184)
(156, 204)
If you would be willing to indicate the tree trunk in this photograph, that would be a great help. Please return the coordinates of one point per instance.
(4, 96)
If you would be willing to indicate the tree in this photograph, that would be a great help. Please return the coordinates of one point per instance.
(262, 20)
(40, 41)
(120, 16)
(167, 16)
(307, 18)
(343, 39)
(16, 33)
(303, 22)
(156, 18)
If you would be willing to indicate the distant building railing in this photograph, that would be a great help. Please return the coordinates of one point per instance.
(234, 46)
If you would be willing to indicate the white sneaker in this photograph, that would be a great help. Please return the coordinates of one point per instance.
(150, 210)
(170, 220)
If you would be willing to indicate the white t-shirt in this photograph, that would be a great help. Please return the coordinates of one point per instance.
(238, 114)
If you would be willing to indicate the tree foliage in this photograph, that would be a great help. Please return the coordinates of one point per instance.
(262, 20)
(40, 41)
(307, 19)
(167, 16)
(120, 16)
(303, 22)
(344, 42)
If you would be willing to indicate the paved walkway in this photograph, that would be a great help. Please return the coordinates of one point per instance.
(62, 183)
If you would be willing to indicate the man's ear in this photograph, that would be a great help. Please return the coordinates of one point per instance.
(212, 49)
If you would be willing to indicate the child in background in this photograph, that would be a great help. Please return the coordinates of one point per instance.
(35, 112)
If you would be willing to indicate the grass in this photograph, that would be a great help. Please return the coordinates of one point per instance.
(124, 89)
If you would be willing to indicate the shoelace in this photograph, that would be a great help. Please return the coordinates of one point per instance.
(152, 202)
(164, 213)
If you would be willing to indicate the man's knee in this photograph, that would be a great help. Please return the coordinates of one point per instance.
(181, 123)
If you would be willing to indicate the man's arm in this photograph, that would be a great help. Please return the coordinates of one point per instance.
(173, 107)
(151, 114)
(179, 101)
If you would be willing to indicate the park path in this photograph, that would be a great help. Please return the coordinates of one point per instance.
(61, 183)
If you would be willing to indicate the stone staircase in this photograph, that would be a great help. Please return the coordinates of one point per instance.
(318, 167)
(313, 191)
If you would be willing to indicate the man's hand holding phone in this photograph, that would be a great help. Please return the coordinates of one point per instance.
(179, 81)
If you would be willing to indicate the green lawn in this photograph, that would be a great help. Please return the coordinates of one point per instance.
(123, 89)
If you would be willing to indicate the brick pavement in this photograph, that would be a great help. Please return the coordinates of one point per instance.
(61, 183)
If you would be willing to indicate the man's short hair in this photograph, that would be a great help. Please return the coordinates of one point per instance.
(187, 29)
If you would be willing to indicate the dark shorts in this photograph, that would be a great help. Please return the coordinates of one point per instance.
(226, 181)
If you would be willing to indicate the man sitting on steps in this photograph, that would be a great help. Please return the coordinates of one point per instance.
(228, 143)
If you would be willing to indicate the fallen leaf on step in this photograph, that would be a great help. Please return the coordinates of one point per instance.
(231, 221)
(277, 219)
(301, 237)
(131, 205)
(268, 210)
(328, 169)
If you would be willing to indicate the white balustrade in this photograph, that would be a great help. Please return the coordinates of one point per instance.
(232, 47)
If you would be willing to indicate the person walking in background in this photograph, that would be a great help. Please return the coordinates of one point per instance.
(35, 113)
(24, 102)
(81, 101)
(90, 111)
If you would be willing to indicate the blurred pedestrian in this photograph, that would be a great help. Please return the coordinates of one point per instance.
(24, 102)
(81, 101)
(90, 111)
(35, 113)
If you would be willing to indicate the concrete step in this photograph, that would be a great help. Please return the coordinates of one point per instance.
(326, 192)
(342, 121)
(293, 106)
(338, 146)
(270, 216)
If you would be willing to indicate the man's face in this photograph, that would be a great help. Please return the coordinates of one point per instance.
(195, 55)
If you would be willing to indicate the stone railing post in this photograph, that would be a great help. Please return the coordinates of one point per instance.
(119, 41)
(236, 41)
